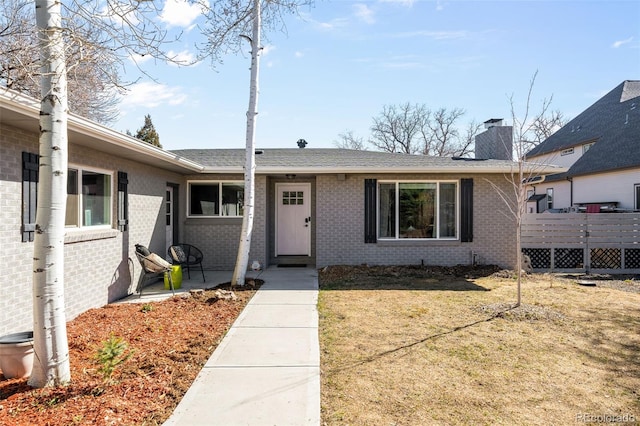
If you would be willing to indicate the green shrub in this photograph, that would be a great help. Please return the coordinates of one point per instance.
(114, 351)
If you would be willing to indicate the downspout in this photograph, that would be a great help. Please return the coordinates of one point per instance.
(570, 179)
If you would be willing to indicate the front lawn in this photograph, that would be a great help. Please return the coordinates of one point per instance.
(418, 346)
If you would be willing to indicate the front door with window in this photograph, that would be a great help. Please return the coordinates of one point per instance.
(293, 219)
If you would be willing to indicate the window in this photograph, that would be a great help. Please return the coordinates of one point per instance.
(123, 201)
(29, 194)
(586, 147)
(417, 210)
(637, 189)
(88, 198)
(549, 198)
(213, 199)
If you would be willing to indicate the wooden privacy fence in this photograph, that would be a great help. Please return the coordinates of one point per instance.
(583, 242)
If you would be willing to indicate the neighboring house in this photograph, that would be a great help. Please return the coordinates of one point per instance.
(601, 148)
(313, 206)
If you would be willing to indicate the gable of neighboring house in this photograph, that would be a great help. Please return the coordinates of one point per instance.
(600, 147)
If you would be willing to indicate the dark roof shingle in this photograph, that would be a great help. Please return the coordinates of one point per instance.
(319, 160)
(613, 122)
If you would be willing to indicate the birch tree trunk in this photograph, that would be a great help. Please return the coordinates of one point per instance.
(242, 260)
(51, 365)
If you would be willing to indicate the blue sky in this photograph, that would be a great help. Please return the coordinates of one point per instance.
(341, 61)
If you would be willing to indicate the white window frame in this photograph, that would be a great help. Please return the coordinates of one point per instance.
(80, 214)
(220, 184)
(436, 224)
(636, 194)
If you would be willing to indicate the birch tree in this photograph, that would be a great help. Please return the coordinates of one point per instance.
(244, 246)
(228, 23)
(121, 26)
(51, 366)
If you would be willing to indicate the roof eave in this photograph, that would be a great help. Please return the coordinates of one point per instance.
(373, 170)
(25, 114)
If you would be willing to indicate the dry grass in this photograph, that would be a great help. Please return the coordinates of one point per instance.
(412, 348)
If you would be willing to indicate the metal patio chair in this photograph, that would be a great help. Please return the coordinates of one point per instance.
(153, 266)
(187, 256)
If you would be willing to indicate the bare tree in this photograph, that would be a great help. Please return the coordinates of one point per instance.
(515, 197)
(50, 334)
(116, 25)
(413, 129)
(545, 125)
(92, 71)
(441, 137)
(397, 128)
(467, 141)
(348, 140)
(228, 23)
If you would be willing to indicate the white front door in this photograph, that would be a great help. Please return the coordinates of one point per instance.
(168, 201)
(293, 219)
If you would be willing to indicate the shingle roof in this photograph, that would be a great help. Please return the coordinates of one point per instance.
(326, 160)
(613, 122)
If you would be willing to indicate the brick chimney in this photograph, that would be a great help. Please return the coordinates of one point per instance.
(496, 142)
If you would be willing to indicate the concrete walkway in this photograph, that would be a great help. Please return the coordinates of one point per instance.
(266, 370)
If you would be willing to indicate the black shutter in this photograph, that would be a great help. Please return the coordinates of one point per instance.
(123, 201)
(29, 194)
(370, 208)
(466, 210)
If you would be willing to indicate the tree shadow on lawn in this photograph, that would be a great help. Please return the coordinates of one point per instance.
(379, 355)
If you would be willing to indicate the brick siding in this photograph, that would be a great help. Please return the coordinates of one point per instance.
(340, 227)
(100, 267)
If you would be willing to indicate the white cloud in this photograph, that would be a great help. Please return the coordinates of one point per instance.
(436, 35)
(407, 3)
(139, 59)
(333, 24)
(299, 54)
(619, 43)
(152, 95)
(183, 58)
(180, 13)
(268, 49)
(364, 13)
(120, 13)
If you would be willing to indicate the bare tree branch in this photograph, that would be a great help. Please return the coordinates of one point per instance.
(413, 129)
(348, 140)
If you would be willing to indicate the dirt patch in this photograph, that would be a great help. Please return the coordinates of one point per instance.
(170, 341)
(524, 312)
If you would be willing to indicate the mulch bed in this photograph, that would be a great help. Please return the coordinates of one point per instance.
(170, 341)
